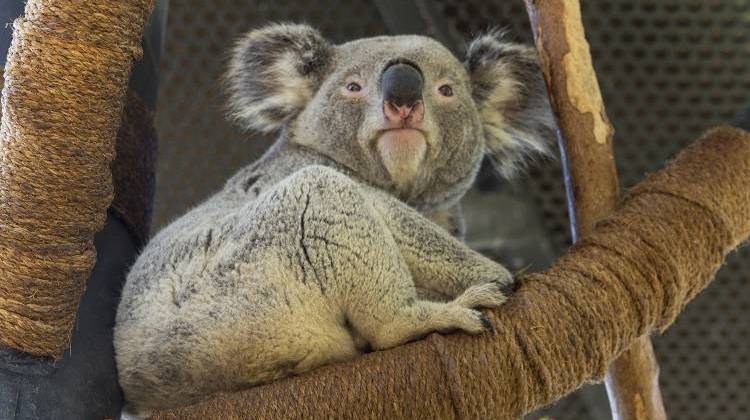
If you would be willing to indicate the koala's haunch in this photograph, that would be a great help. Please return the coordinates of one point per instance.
(337, 240)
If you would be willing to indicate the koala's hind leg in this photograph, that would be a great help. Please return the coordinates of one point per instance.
(383, 308)
(382, 304)
(349, 247)
(441, 263)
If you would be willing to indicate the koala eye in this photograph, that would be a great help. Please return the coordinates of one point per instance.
(353, 87)
(446, 90)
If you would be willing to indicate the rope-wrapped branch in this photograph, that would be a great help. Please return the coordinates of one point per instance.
(634, 272)
(65, 79)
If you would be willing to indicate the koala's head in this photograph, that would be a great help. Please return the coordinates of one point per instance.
(402, 112)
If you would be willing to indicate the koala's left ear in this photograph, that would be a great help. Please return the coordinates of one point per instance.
(273, 73)
(509, 90)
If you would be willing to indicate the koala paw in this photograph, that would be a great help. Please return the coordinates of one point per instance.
(488, 295)
(470, 321)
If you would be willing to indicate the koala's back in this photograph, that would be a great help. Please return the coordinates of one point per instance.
(233, 293)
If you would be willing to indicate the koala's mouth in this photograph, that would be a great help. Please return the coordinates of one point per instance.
(402, 151)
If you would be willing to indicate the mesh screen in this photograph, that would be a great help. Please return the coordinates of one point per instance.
(668, 69)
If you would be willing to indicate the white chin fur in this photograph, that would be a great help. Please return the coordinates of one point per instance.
(402, 152)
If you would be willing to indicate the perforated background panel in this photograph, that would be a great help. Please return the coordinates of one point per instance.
(668, 69)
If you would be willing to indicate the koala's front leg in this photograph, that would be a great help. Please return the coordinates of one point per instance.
(438, 261)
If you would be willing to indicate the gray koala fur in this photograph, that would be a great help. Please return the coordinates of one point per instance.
(317, 251)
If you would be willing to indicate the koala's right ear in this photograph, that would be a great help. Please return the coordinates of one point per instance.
(509, 90)
(273, 73)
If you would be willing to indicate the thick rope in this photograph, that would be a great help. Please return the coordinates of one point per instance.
(65, 80)
(633, 273)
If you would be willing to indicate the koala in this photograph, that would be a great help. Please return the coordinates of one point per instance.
(330, 244)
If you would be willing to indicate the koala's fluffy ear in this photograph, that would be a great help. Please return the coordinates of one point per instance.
(509, 90)
(273, 72)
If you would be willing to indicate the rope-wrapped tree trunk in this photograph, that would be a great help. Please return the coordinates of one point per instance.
(65, 80)
(590, 177)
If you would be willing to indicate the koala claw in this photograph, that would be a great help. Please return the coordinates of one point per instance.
(507, 286)
(479, 323)
(486, 323)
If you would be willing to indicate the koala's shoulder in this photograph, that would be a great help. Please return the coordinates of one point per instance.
(281, 161)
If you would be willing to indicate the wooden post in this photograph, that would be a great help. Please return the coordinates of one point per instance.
(591, 184)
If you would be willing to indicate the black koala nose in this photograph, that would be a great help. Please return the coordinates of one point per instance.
(402, 84)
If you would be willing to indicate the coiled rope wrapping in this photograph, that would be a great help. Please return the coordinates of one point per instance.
(564, 326)
(65, 80)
